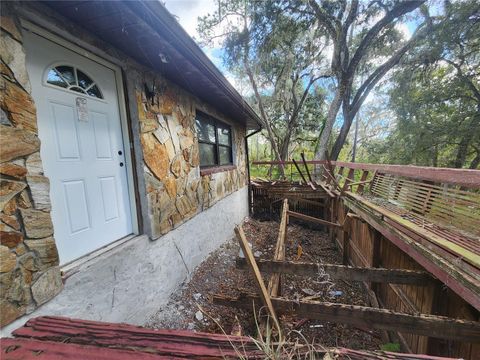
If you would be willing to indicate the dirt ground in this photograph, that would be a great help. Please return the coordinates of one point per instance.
(218, 275)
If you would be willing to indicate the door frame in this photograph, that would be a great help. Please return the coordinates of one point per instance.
(122, 110)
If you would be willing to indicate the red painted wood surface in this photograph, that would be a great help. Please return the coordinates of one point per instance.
(55, 338)
(177, 343)
(22, 349)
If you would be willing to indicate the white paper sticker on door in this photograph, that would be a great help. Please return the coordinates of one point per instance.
(82, 109)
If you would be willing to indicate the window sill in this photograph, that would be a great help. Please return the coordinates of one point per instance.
(216, 169)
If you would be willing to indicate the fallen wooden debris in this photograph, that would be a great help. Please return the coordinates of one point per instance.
(421, 324)
(306, 169)
(342, 272)
(264, 295)
(300, 171)
(327, 190)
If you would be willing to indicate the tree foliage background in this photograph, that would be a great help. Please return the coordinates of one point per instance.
(316, 70)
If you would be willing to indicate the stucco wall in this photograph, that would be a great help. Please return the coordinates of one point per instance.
(29, 275)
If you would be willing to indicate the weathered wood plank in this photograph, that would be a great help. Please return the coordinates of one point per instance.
(300, 171)
(159, 342)
(466, 254)
(19, 349)
(274, 285)
(306, 201)
(342, 272)
(346, 239)
(313, 219)
(421, 324)
(462, 283)
(264, 295)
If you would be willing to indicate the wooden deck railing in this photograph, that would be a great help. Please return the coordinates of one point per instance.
(461, 177)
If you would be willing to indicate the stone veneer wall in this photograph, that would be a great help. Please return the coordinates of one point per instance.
(176, 191)
(29, 273)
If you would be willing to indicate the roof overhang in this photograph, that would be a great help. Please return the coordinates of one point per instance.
(147, 32)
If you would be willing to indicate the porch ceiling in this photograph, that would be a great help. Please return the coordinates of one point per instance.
(147, 32)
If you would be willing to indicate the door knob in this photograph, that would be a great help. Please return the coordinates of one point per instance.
(121, 164)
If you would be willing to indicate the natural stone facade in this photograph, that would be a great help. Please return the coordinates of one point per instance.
(29, 273)
(175, 188)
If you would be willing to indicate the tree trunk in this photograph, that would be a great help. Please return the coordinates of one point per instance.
(471, 130)
(327, 129)
(475, 164)
(337, 147)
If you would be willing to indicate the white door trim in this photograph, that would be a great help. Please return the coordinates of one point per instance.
(27, 25)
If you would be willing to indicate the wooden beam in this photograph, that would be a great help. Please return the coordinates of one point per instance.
(265, 297)
(300, 171)
(342, 272)
(404, 298)
(350, 184)
(306, 168)
(275, 281)
(346, 239)
(326, 189)
(313, 219)
(306, 201)
(421, 324)
(363, 179)
(349, 179)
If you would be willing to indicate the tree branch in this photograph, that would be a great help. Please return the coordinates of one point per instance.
(377, 75)
(398, 10)
(325, 19)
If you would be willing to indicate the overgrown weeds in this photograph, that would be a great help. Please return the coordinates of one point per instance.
(272, 345)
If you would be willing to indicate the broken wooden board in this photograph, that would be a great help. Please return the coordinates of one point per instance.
(275, 280)
(342, 272)
(264, 295)
(313, 219)
(368, 317)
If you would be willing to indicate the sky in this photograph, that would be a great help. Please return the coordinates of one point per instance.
(187, 13)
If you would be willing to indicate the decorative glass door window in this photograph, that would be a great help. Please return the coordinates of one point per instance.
(71, 78)
(214, 141)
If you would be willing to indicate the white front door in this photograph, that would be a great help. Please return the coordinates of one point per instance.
(81, 147)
